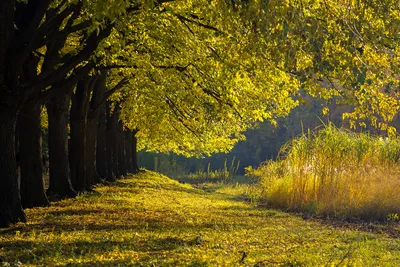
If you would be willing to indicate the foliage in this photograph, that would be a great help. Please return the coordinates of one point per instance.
(198, 80)
(335, 173)
(203, 72)
(349, 50)
(150, 220)
(262, 142)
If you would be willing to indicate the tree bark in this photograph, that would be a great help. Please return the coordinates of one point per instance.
(60, 176)
(128, 151)
(134, 152)
(93, 115)
(30, 148)
(78, 126)
(77, 155)
(121, 150)
(7, 12)
(115, 151)
(91, 141)
(30, 151)
(10, 201)
(101, 156)
(111, 175)
(112, 143)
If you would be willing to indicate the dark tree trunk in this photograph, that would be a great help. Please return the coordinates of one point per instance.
(111, 175)
(91, 140)
(17, 141)
(60, 176)
(134, 152)
(114, 147)
(23, 28)
(115, 156)
(101, 156)
(112, 144)
(128, 151)
(77, 155)
(10, 201)
(121, 150)
(30, 151)
(93, 115)
(30, 147)
(78, 126)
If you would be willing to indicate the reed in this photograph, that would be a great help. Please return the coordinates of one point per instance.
(337, 173)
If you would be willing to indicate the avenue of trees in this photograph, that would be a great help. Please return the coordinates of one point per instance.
(182, 76)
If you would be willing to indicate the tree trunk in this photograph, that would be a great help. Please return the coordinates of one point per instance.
(10, 201)
(115, 150)
(77, 155)
(30, 151)
(121, 150)
(134, 153)
(30, 147)
(78, 126)
(93, 115)
(112, 139)
(111, 175)
(7, 12)
(101, 156)
(91, 140)
(128, 151)
(60, 176)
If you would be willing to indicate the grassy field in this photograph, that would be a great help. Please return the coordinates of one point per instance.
(151, 220)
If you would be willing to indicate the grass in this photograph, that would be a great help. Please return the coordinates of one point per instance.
(151, 220)
(335, 173)
(226, 174)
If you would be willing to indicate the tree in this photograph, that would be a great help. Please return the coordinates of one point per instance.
(204, 71)
(25, 28)
(90, 94)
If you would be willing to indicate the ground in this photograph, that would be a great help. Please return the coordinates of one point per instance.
(151, 220)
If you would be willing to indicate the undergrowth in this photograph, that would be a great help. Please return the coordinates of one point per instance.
(222, 175)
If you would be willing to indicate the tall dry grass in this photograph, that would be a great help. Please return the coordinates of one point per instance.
(336, 173)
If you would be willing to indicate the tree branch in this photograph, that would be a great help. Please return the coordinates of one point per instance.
(116, 66)
(206, 26)
(31, 19)
(66, 84)
(177, 67)
(35, 39)
(109, 93)
(91, 45)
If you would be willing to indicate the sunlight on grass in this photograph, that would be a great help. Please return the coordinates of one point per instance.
(151, 220)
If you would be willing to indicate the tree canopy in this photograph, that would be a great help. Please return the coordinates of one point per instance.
(198, 80)
(204, 73)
